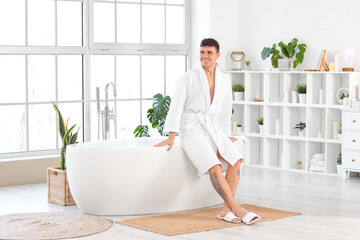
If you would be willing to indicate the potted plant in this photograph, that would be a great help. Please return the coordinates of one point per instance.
(339, 164)
(247, 65)
(156, 115)
(238, 90)
(261, 123)
(239, 128)
(281, 59)
(58, 188)
(344, 99)
(301, 89)
(301, 126)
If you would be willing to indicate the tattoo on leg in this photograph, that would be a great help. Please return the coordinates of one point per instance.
(215, 182)
(238, 172)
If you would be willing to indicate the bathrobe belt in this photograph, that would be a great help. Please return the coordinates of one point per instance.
(208, 122)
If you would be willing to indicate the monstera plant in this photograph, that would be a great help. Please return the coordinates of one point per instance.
(156, 115)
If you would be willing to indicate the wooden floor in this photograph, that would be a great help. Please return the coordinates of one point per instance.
(330, 207)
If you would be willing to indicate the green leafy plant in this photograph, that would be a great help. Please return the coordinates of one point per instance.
(289, 51)
(301, 126)
(260, 121)
(66, 135)
(339, 159)
(238, 88)
(239, 125)
(142, 131)
(247, 63)
(156, 116)
(342, 96)
(301, 88)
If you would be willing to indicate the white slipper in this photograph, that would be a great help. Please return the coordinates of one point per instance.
(229, 218)
(247, 219)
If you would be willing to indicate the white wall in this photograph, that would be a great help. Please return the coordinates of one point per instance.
(210, 19)
(321, 24)
(250, 25)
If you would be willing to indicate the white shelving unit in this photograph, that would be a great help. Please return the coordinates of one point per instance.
(287, 148)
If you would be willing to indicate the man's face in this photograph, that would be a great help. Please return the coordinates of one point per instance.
(208, 56)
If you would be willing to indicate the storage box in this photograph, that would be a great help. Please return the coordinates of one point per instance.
(58, 187)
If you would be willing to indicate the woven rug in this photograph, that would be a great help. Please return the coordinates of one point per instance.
(50, 225)
(199, 220)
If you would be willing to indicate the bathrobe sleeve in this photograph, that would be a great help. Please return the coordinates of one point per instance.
(224, 118)
(172, 122)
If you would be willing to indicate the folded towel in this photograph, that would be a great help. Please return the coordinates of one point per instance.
(319, 155)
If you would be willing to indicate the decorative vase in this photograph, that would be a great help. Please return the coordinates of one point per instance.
(345, 101)
(261, 129)
(339, 169)
(239, 129)
(301, 133)
(284, 64)
(238, 96)
(302, 98)
(247, 68)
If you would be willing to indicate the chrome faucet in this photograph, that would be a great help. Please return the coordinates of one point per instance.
(106, 114)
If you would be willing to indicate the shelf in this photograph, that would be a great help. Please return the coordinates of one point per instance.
(283, 150)
(239, 102)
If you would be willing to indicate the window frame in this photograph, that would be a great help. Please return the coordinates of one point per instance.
(87, 49)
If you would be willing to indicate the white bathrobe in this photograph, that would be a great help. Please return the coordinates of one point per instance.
(204, 128)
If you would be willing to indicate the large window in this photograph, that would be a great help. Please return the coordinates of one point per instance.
(61, 50)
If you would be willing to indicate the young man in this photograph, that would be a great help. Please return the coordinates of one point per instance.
(201, 110)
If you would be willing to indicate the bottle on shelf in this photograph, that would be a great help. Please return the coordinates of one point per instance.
(340, 132)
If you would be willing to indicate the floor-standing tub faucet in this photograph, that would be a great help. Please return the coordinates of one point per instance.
(106, 115)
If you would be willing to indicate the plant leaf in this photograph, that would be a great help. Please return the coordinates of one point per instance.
(295, 63)
(150, 114)
(142, 131)
(161, 106)
(300, 57)
(73, 138)
(66, 136)
(61, 125)
(265, 53)
(302, 48)
(284, 49)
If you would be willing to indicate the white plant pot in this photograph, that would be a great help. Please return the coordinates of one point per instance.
(339, 136)
(261, 128)
(238, 96)
(302, 98)
(284, 64)
(239, 129)
(339, 169)
(301, 134)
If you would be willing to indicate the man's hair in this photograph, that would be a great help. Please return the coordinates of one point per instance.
(210, 42)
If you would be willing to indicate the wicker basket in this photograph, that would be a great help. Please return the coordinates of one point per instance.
(58, 187)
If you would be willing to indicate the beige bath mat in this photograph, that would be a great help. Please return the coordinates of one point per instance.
(199, 220)
(50, 225)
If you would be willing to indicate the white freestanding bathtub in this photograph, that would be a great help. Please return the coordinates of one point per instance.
(128, 177)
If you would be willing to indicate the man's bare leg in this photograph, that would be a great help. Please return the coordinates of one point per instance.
(232, 177)
(223, 188)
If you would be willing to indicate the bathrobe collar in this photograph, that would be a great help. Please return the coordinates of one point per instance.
(205, 85)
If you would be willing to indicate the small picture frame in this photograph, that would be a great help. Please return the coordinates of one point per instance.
(322, 62)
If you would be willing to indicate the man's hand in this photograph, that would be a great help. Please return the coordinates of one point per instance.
(169, 141)
(233, 139)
